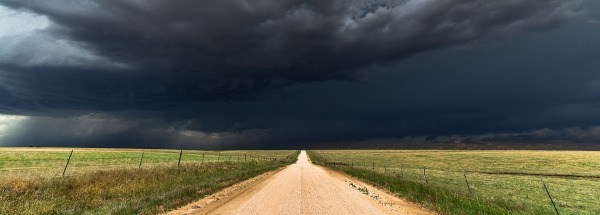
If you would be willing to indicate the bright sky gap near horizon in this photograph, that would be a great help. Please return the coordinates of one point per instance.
(300, 74)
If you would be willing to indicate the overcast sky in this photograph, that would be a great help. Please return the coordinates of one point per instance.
(299, 74)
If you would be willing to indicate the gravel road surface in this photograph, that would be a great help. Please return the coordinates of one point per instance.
(301, 188)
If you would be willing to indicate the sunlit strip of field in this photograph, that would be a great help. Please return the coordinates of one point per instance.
(572, 177)
(104, 188)
(50, 162)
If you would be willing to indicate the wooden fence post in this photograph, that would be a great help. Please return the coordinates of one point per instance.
(141, 159)
(180, 154)
(548, 192)
(401, 172)
(469, 187)
(68, 160)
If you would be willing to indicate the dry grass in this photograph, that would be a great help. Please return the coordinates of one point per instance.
(149, 190)
(50, 162)
(573, 177)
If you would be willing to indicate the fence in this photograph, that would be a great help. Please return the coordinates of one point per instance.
(59, 163)
(561, 194)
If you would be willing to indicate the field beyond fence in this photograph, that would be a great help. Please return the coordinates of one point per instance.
(519, 182)
(122, 181)
(58, 162)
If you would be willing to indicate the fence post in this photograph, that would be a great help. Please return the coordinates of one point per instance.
(468, 187)
(373, 166)
(548, 192)
(244, 156)
(424, 176)
(401, 172)
(180, 154)
(219, 157)
(203, 157)
(68, 160)
(141, 159)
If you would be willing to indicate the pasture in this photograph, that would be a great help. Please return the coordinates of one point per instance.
(511, 177)
(51, 162)
(111, 181)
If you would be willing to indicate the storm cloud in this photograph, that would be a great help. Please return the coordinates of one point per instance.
(200, 51)
(270, 73)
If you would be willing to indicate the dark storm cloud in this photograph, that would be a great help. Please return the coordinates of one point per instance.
(196, 51)
(281, 74)
(106, 131)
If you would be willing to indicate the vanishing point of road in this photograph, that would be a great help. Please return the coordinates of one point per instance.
(302, 188)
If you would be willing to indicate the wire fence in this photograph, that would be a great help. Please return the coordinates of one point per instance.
(558, 193)
(29, 164)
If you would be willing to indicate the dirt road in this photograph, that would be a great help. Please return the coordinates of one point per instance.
(301, 188)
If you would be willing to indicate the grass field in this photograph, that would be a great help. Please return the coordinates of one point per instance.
(50, 162)
(508, 180)
(109, 181)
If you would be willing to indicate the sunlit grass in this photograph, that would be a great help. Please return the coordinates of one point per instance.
(148, 190)
(50, 162)
(507, 179)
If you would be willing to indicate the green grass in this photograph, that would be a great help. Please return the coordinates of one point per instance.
(150, 190)
(50, 162)
(501, 182)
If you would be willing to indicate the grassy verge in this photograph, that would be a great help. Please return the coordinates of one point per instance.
(572, 177)
(127, 191)
(440, 199)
